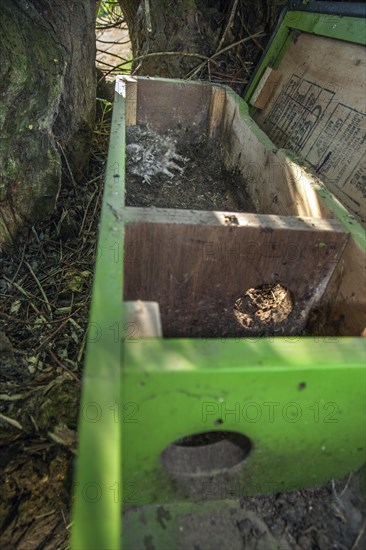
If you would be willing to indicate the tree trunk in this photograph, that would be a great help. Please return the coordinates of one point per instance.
(197, 27)
(47, 87)
(166, 27)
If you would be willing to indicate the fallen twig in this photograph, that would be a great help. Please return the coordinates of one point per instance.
(11, 422)
(159, 54)
(229, 23)
(67, 164)
(40, 288)
(211, 59)
(58, 362)
(359, 536)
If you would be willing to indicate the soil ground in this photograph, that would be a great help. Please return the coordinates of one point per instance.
(45, 287)
(326, 518)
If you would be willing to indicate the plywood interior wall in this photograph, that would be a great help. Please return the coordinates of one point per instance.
(319, 112)
(275, 184)
(344, 301)
(166, 105)
(196, 265)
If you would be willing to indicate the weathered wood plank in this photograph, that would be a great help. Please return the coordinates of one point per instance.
(131, 100)
(266, 87)
(142, 320)
(216, 110)
(344, 301)
(167, 105)
(318, 112)
(197, 264)
(275, 184)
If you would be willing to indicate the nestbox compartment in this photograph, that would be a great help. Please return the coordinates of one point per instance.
(216, 272)
(206, 418)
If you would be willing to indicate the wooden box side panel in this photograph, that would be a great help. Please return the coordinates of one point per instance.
(275, 184)
(344, 301)
(319, 113)
(196, 267)
(173, 105)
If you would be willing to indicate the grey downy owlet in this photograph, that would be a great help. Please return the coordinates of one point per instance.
(149, 154)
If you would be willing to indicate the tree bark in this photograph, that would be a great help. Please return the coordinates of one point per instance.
(166, 27)
(47, 87)
(192, 26)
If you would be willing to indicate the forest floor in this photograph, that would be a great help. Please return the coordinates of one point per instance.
(45, 290)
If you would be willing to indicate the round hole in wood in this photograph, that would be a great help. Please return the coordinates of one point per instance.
(263, 307)
(207, 452)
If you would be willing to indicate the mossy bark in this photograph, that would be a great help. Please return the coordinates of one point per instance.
(170, 27)
(47, 90)
(191, 26)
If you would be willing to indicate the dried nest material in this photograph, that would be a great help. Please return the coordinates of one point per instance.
(149, 154)
(263, 308)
